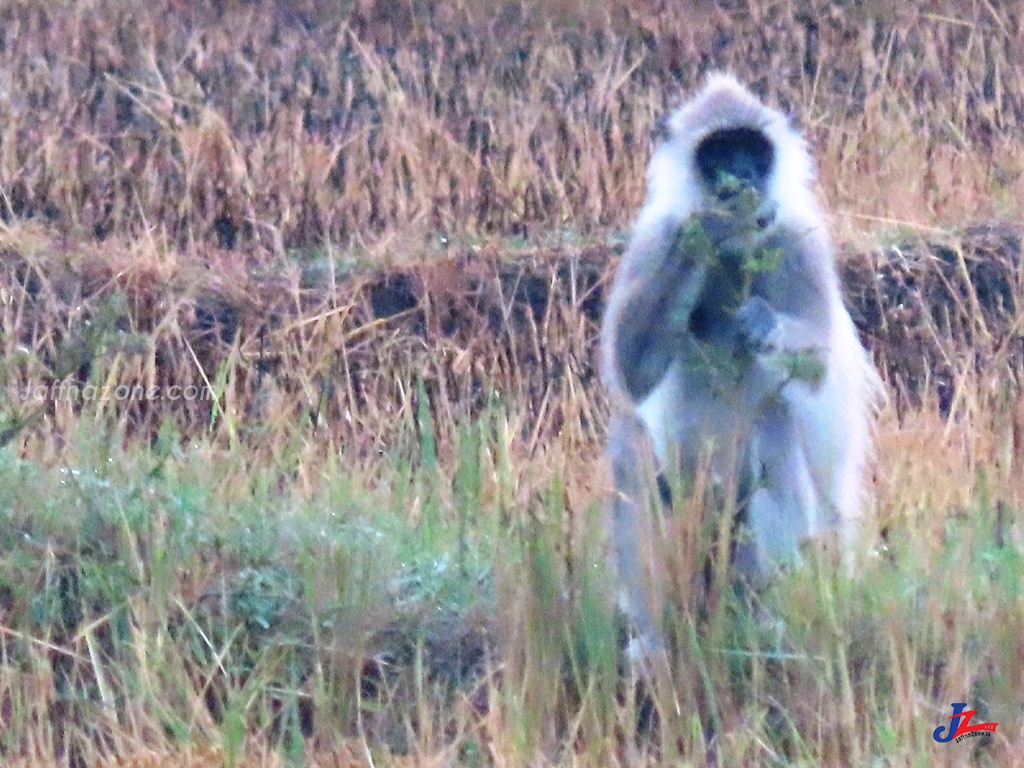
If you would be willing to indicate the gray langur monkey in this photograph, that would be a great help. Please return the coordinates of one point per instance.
(725, 325)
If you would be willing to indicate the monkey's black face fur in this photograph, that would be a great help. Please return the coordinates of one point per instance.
(745, 153)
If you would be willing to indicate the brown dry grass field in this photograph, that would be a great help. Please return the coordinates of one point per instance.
(300, 453)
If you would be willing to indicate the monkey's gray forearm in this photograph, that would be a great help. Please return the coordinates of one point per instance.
(642, 354)
(653, 321)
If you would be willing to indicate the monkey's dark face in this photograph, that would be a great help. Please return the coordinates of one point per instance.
(735, 165)
(745, 154)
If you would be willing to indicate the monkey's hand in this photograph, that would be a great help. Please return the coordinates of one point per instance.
(761, 332)
(757, 327)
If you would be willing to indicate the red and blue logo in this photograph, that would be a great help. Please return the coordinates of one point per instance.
(960, 725)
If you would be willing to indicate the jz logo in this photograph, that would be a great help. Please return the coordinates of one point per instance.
(960, 727)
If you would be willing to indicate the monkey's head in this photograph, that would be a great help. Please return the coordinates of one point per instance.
(725, 149)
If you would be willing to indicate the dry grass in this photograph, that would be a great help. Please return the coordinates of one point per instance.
(378, 235)
(280, 125)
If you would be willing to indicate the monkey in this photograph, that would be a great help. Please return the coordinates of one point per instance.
(725, 326)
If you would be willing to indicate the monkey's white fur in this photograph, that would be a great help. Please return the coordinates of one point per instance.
(810, 440)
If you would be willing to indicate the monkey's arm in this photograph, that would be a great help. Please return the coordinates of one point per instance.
(661, 279)
(785, 327)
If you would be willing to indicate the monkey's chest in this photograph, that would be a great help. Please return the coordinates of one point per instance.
(724, 290)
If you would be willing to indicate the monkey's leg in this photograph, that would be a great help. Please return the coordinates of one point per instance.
(783, 508)
(636, 488)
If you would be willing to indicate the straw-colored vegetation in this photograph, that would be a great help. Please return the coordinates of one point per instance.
(368, 244)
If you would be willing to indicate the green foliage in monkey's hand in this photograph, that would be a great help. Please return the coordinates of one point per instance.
(721, 251)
